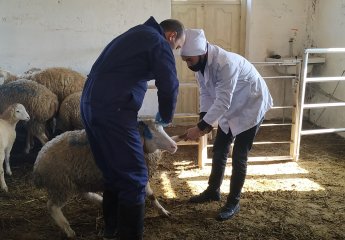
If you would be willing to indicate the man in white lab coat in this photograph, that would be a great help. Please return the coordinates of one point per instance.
(233, 93)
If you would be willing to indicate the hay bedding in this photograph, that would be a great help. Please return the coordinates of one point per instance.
(296, 201)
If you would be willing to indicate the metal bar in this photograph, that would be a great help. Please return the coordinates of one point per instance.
(283, 107)
(324, 50)
(284, 63)
(321, 105)
(300, 107)
(280, 77)
(322, 131)
(275, 124)
(324, 79)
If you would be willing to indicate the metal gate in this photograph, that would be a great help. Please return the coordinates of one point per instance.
(301, 100)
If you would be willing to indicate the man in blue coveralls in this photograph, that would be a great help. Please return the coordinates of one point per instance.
(112, 96)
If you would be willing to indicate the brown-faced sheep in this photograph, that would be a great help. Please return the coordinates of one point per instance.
(8, 121)
(65, 167)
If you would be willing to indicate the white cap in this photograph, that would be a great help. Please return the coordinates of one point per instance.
(195, 43)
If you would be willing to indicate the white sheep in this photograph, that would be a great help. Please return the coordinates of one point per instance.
(65, 167)
(8, 121)
(69, 117)
(40, 103)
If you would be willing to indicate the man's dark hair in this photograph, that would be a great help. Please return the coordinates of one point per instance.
(173, 25)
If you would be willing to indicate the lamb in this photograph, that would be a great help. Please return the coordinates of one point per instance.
(40, 102)
(65, 167)
(8, 121)
(68, 117)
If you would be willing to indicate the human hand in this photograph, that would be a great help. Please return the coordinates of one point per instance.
(194, 134)
(160, 121)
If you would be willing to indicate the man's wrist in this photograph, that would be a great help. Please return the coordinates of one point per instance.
(202, 125)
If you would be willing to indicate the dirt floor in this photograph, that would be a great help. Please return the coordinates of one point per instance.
(280, 200)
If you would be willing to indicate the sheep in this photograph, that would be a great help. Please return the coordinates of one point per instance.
(6, 76)
(68, 117)
(61, 81)
(40, 102)
(8, 121)
(65, 167)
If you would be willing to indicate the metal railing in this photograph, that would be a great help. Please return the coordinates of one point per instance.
(301, 100)
(296, 79)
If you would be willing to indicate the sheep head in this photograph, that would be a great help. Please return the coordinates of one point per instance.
(155, 137)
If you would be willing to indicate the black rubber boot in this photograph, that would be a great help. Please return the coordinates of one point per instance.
(131, 221)
(110, 206)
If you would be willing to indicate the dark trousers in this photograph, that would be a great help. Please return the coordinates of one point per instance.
(221, 147)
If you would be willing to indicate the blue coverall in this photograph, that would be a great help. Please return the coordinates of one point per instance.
(112, 96)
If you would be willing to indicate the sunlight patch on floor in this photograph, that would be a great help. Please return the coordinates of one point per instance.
(167, 187)
(287, 176)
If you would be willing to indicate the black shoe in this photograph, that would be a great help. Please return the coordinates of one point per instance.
(205, 196)
(228, 211)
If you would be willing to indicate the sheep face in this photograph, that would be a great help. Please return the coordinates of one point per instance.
(156, 138)
(20, 113)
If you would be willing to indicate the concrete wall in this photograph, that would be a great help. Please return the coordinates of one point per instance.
(44, 33)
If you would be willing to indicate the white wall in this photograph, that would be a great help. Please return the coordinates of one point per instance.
(269, 27)
(47, 33)
(320, 24)
(44, 33)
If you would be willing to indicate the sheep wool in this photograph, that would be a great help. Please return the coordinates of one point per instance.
(65, 167)
(69, 117)
(61, 81)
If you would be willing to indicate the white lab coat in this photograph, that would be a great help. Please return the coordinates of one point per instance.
(232, 91)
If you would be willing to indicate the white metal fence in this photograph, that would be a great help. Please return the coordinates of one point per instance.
(301, 105)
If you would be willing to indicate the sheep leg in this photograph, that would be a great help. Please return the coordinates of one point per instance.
(7, 161)
(2, 175)
(155, 202)
(59, 218)
(29, 143)
(94, 197)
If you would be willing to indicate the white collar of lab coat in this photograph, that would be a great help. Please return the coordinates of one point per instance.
(210, 54)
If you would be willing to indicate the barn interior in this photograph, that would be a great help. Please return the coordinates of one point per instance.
(295, 182)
